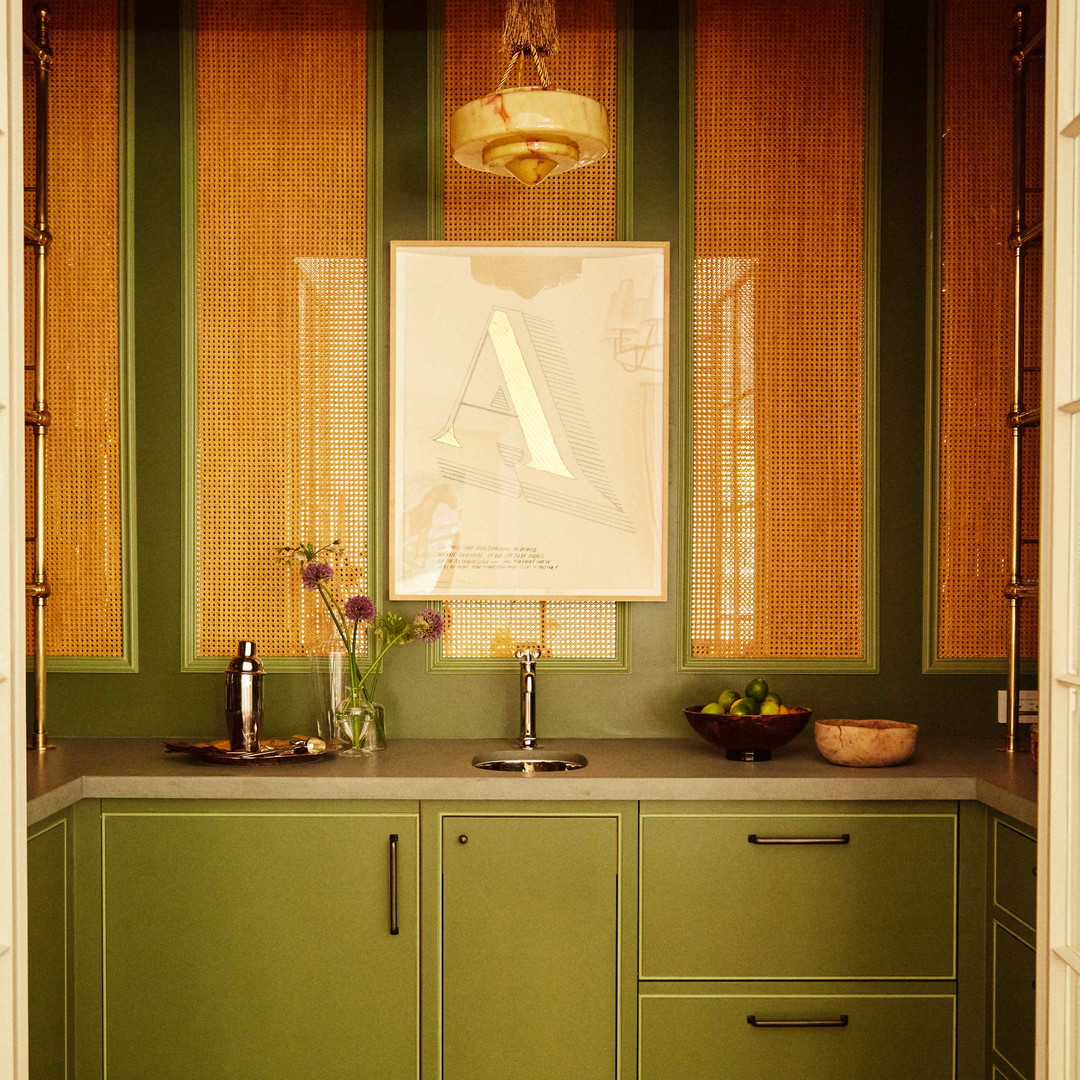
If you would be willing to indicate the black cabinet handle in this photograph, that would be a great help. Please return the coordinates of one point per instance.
(840, 1021)
(753, 838)
(393, 884)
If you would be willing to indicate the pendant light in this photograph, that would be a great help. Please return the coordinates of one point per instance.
(529, 132)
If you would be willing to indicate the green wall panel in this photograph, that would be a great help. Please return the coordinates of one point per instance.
(162, 700)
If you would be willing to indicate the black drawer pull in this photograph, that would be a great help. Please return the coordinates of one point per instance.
(393, 883)
(753, 838)
(840, 1021)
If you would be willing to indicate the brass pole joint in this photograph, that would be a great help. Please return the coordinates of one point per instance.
(32, 235)
(1021, 418)
(1021, 590)
(38, 590)
(38, 418)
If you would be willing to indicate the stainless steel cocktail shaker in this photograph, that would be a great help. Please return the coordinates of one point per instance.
(243, 698)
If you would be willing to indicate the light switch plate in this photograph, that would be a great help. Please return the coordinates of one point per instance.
(1029, 706)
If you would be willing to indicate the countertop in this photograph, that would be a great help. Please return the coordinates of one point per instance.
(630, 769)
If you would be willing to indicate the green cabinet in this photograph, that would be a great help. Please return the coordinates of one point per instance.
(525, 953)
(1010, 934)
(48, 885)
(257, 941)
(833, 892)
(762, 1031)
(803, 941)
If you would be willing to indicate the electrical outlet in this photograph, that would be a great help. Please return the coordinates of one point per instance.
(1029, 706)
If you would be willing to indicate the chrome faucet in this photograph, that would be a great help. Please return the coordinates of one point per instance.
(528, 655)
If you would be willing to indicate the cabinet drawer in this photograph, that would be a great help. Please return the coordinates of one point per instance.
(798, 896)
(702, 1032)
(1014, 1000)
(1014, 872)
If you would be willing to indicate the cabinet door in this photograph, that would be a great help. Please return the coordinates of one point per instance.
(1013, 981)
(47, 889)
(245, 945)
(798, 896)
(860, 1035)
(530, 948)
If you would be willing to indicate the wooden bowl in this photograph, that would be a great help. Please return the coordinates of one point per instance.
(865, 743)
(751, 737)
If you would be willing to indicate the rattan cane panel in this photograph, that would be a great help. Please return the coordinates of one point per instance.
(83, 557)
(777, 467)
(282, 311)
(479, 629)
(976, 336)
(580, 206)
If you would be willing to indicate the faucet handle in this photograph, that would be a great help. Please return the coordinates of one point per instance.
(528, 653)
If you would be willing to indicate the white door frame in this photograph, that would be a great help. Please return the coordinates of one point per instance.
(1058, 953)
(13, 1016)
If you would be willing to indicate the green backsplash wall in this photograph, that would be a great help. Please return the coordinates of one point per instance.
(160, 700)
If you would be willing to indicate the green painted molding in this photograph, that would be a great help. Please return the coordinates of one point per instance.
(619, 665)
(128, 660)
(378, 308)
(624, 121)
(932, 663)
(868, 663)
(189, 658)
(436, 65)
(624, 143)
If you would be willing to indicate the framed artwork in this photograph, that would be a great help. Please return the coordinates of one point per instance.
(529, 390)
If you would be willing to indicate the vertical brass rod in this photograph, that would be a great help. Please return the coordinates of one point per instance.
(43, 59)
(1015, 591)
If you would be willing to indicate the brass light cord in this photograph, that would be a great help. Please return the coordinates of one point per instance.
(1020, 417)
(37, 417)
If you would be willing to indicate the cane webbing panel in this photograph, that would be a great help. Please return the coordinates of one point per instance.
(777, 469)
(282, 310)
(976, 335)
(84, 615)
(580, 206)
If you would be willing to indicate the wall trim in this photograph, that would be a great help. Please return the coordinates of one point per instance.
(868, 662)
(624, 144)
(190, 659)
(932, 663)
(189, 655)
(128, 660)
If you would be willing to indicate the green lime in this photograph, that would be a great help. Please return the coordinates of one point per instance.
(712, 707)
(727, 699)
(757, 689)
(745, 706)
(770, 707)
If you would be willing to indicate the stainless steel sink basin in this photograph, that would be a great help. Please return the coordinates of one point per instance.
(529, 761)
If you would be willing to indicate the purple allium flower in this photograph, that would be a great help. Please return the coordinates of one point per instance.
(314, 573)
(360, 608)
(429, 625)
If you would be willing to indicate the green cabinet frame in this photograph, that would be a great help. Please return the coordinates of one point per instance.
(519, 916)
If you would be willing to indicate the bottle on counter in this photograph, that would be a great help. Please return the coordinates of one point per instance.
(243, 698)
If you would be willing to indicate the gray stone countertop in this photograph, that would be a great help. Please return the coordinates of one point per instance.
(629, 769)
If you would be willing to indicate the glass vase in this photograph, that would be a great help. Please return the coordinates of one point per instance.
(359, 725)
(328, 663)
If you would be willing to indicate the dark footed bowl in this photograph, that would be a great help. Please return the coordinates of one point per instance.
(747, 738)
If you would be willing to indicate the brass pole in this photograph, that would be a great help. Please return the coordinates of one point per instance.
(38, 417)
(1019, 417)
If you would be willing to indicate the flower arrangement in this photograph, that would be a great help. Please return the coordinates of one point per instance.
(354, 619)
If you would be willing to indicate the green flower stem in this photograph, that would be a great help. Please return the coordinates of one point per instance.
(373, 666)
(336, 618)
